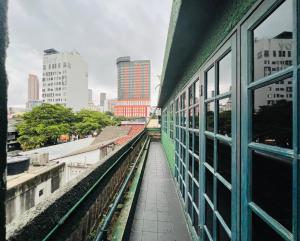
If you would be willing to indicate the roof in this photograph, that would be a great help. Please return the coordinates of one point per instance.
(111, 132)
(134, 130)
(61, 150)
(196, 29)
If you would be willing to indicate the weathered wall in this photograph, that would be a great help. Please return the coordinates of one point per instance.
(3, 113)
(31, 192)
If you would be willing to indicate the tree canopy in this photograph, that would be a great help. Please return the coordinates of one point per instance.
(46, 123)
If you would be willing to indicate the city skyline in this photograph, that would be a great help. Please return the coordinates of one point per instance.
(98, 44)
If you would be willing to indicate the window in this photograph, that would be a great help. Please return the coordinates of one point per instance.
(218, 142)
(268, 156)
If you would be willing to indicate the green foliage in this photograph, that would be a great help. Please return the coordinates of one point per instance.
(46, 123)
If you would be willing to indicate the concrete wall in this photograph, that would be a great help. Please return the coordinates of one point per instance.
(31, 192)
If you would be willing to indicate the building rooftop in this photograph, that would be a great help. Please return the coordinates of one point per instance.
(61, 150)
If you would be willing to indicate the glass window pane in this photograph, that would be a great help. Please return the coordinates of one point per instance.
(195, 221)
(191, 141)
(225, 76)
(272, 186)
(197, 91)
(272, 41)
(191, 118)
(221, 233)
(196, 143)
(224, 202)
(210, 109)
(262, 232)
(196, 169)
(273, 114)
(210, 151)
(209, 182)
(196, 117)
(191, 163)
(209, 219)
(224, 118)
(183, 136)
(190, 208)
(196, 195)
(190, 185)
(224, 161)
(191, 95)
(210, 83)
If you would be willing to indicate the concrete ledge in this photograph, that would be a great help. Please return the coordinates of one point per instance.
(35, 223)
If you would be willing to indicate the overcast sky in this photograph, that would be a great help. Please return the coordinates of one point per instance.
(99, 30)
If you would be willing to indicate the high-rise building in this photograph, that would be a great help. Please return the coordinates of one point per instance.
(65, 79)
(33, 87)
(133, 88)
(102, 98)
(33, 97)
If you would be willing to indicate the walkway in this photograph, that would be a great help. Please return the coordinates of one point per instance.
(158, 215)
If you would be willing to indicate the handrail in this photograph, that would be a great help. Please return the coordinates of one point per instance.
(101, 231)
(76, 205)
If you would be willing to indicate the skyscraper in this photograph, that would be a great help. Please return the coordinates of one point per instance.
(133, 88)
(33, 91)
(65, 79)
(33, 87)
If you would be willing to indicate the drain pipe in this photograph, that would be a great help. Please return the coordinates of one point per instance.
(102, 231)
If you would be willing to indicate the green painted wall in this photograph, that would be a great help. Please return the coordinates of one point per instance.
(169, 149)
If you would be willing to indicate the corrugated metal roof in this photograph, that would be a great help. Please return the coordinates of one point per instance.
(61, 150)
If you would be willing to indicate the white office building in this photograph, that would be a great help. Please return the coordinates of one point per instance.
(271, 56)
(65, 79)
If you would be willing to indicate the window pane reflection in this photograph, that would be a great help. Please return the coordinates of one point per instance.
(225, 75)
(272, 187)
(272, 114)
(224, 161)
(209, 218)
(210, 108)
(197, 91)
(224, 202)
(262, 232)
(196, 143)
(191, 118)
(224, 118)
(210, 83)
(209, 181)
(210, 151)
(221, 233)
(196, 117)
(273, 40)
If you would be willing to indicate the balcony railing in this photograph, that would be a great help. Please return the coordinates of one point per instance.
(82, 209)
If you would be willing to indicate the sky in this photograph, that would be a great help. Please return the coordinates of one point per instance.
(101, 31)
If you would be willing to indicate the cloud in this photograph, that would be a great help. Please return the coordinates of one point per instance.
(100, 31)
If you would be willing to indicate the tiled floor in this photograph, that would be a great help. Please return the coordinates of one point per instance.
(158, 215)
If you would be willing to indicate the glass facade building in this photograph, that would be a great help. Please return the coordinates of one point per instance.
(230, 128)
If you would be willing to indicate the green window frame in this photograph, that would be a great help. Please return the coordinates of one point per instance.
(217, 222)
(254, 212)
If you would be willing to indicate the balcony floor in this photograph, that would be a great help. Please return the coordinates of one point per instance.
(158, 215)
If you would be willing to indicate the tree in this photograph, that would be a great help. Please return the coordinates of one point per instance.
(44, 124)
